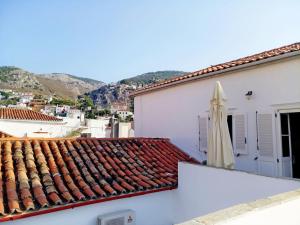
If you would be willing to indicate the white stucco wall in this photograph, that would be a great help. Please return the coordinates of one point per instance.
(27, 128)
(202, 190)
(32, 128)
(71, 124)
(125, 130)
(150, 209)
(173, 112)
(97, 127)
(286, 213)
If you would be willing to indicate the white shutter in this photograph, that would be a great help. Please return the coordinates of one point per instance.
(266, 138)
(265, 134)
(240, 133)
(203, 132)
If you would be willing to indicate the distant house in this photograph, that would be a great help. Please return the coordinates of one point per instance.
(118, 106)
(26, 98)
(263, 105)
(37, 104)
(28, 123)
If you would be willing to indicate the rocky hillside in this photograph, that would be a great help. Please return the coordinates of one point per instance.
(119, 92)
(70, 86)
(59, 84)
(111, 93)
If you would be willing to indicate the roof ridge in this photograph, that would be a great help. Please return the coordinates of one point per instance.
(25, 114)
(226, 65)
(81, 138)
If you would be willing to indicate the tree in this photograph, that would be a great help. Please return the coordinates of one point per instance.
(84, 102)
(104, 112)
(8, 102)
(5, 94)
(57, 101)
(90, 115)
(129, 118)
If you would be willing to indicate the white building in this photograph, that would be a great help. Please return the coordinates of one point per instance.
(49, 110)
(98, 128)
(62, 109)
(263, 104)
(26, 98)
(28, 123)
(125, 130)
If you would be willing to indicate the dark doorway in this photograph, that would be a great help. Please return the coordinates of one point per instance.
(229, 123)
(295, 143)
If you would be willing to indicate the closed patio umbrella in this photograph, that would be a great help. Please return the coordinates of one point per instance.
(220, 152)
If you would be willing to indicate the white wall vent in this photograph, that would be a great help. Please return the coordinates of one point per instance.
(125, 217)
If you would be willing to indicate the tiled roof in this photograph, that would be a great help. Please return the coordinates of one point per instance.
(46, 175)
(4, 135)
(222, 67)
(25, 114)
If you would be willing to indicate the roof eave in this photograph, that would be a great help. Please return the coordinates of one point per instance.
(84, 203)
(36, 121)
(212, 74)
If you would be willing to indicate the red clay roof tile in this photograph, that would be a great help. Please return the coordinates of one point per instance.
(39, 175)
(4, 135)
(25, 114)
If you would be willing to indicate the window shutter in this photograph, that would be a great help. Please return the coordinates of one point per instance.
(203, 131)
(265, 134)
(240, 133)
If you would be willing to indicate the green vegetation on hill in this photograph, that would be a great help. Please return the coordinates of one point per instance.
(4, 72)
(56, 84)
(7, 102)
(59, 101)
(152, 77)
(85, 79)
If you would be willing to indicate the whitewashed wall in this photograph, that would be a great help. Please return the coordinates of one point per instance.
(286, 213)
(97, 127)
(202, 190)
(20, 128)
(173, 112)
(30, 128)
(125, 130)
(71, 124)
(151, 209)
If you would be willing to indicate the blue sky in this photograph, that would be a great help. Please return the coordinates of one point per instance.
(112, 40)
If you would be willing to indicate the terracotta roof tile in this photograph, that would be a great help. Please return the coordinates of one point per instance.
(4, 135)
(25, 114)
(52, 174)
(220, 67)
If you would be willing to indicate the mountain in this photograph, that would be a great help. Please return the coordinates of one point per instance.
(151, 77)
(59, 84)
(69, 86)
(119, 92)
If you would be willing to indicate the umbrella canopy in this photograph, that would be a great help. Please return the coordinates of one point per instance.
(220, 152)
